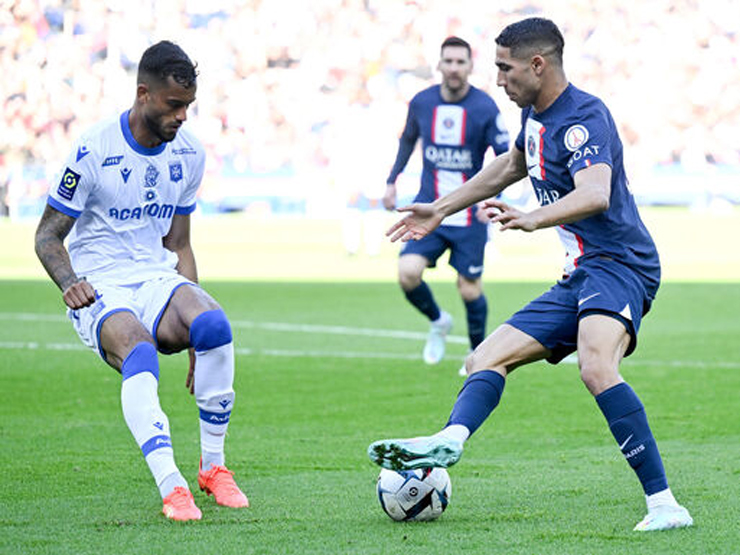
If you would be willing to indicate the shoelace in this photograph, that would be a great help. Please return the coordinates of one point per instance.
(222, 477)
(181, 498)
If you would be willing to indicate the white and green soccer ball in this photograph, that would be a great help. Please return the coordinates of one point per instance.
(421, 494)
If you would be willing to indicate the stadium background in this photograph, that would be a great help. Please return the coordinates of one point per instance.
(300, 117)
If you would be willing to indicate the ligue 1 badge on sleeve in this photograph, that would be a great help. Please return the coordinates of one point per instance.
(68, 184)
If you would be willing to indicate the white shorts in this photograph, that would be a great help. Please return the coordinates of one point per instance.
(146, 301)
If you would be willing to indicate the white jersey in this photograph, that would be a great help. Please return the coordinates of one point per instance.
(124, 197)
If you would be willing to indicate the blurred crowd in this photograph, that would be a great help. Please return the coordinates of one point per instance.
(316, 92)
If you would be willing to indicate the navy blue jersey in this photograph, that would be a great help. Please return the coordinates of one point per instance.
(575, 132)
(455, 137)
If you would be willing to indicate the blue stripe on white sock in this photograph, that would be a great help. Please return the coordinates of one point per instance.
(215, 417)
(156, 442)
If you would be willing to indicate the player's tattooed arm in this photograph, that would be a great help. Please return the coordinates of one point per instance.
(53, 227)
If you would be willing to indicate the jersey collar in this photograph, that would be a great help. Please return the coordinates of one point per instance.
(132, 142)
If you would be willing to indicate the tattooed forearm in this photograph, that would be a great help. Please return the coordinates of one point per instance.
(52, 229)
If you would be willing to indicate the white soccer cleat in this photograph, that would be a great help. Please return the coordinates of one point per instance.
(665, 517)
(417, 452)
(434, 350)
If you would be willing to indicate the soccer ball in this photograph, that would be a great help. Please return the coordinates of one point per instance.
(421, 494)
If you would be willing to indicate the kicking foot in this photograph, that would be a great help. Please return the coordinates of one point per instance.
(665, 517)
(219, 482)
(434, 350)
(179, 505)
(419, 452)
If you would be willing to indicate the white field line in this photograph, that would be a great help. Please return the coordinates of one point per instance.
(327, 330)
(270, 326)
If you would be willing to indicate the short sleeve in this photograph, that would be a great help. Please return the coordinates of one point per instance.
(73, 185)
(590, 139)
(186, 203)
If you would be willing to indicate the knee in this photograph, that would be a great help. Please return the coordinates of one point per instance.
(408, 280)
(469, 290)
(209, 330)
(597, 375)
(476, 362)
(142, 358)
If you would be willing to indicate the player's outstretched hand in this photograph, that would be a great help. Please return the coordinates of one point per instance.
(508, 216)
(482, 214)
(422, 219)
(79, 295)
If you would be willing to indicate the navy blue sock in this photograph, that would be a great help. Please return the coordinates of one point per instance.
(477, 312)
(479, 395)
(628, 422)
(422, 299)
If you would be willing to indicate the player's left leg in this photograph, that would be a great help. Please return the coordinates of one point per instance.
(602, 342)
(476, 310)
(193, 319)
(504, 350)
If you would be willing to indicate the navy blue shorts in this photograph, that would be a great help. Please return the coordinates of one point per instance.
(466, 244)
(600, 286)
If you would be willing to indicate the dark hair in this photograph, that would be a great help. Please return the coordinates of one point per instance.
(165, 59)
(456, 41)
(534, 35)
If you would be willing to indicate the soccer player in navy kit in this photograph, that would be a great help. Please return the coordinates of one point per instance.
(569, 147)
(457, 123)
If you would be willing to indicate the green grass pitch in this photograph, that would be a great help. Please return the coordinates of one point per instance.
(323, 369)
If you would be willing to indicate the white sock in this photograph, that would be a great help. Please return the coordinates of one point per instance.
(458, 432)
(209, 458)
(439, 320)
(171, 482)
(214, 395)
(662, 498)
(148, 424)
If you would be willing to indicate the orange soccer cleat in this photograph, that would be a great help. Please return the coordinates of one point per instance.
(179, 505)
(219, 482)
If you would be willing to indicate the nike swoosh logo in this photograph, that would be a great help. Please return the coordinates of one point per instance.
(626, 441)
(587, 298)
(475, 269)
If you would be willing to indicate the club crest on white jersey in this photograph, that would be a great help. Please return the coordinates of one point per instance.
(124, 198)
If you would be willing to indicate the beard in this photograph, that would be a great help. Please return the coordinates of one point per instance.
(158, 130)
(455, 84)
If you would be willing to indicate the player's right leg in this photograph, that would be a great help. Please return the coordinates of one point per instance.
(128, 347)
(504, 350)
(602, 342)
(194, 319)
(410, 271)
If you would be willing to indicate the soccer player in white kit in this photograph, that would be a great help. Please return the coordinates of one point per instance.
(129, 277)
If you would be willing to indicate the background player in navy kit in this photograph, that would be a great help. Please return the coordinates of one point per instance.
(457, 123)
(570, 148)
(129, 277)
